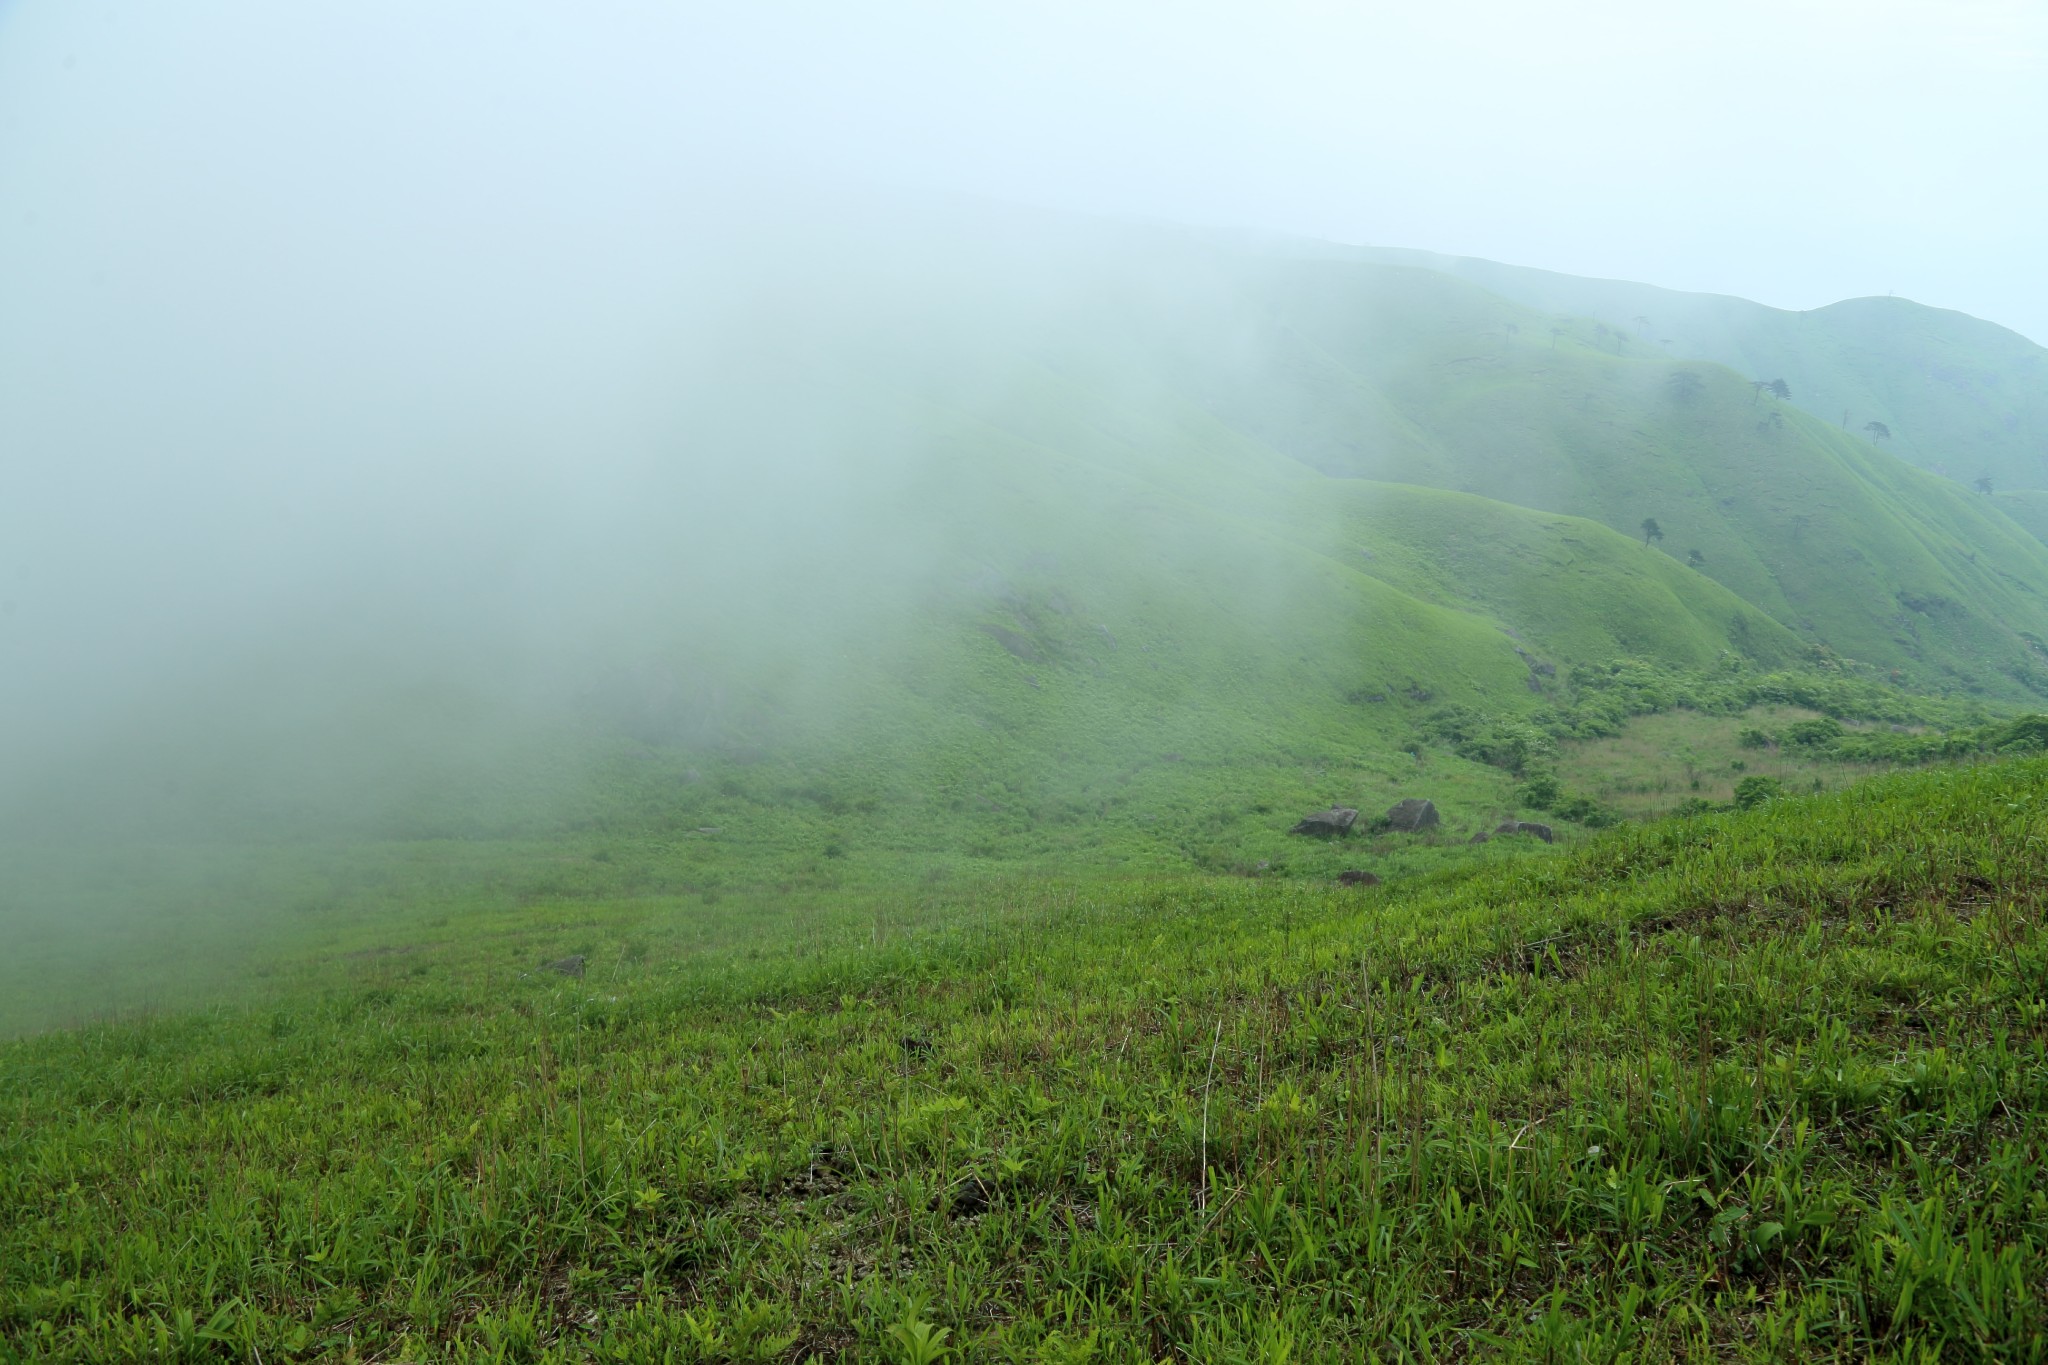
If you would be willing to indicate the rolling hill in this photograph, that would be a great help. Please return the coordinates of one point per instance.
(1003, 518)
(1961, 397)
(1002, 552)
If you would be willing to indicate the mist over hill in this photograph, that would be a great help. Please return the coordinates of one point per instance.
(947, 498)
(1955, 395)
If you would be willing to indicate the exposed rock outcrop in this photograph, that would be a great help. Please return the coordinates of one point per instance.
(1412, 816)
(1336, 820)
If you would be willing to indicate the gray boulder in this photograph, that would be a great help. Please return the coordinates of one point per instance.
(1335, 820)
(1542, 832)
(1412, 816)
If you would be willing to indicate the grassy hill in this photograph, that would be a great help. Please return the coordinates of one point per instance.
(1118, 554)
(1437, 382)
(810, 877)
(1757, 1086)
(1961, 397)
(1169, 696)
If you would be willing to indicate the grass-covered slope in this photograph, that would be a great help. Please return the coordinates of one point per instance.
(2026, 506)
(1015, 527)
(1572, 588)
(1185, 380)
(1759, 1087)
(1838, 540)
(1164, 696)
(1126, 577)
(1960, 396)
(1041, 573)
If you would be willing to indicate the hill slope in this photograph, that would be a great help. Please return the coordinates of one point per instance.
(1756, 1086)
(1406, 375)
(1007, 521)
(1962, 397)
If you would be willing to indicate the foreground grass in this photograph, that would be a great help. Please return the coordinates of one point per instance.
(1769, 1086)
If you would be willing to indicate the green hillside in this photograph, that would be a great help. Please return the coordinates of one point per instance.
(1756, 1087)
(1398, 374)
(814, 879)
(2026, 506)
(1961, 397)
(1120, 554)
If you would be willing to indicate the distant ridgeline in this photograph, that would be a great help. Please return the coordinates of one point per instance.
(1946, 392)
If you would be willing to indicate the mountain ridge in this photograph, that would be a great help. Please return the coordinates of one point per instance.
(1960, 395)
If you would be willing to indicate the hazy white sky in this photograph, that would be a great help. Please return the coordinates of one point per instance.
(1794, 152)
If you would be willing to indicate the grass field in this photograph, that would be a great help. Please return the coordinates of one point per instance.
(1659, 762)
(1758, 1086)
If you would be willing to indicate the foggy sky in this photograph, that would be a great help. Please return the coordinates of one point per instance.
(1794, 153)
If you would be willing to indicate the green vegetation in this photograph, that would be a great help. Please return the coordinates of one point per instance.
(1946, 385)
(896, 950)
(1762, 1086)
(1196, 507)
(1656, 764)
(1839, 541)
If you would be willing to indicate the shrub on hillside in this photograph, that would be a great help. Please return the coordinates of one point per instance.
(1756, 790)
(2027, 735)
(1509, 742)
(1585, 811)
(1814, 734)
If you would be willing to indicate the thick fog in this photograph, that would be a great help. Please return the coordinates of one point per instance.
(394, 512)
